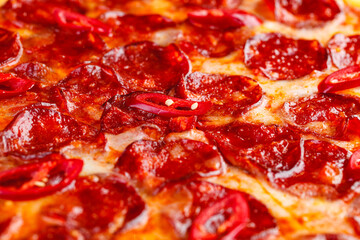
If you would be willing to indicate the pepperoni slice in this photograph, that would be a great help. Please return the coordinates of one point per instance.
(170, 160)
(35, 71)
(323, 115)
(257, 147)
(320, 171)
(222, 19)
(11, 85)
(35, 180)
(97, 207)
(230, 95)
(40, 129)
(213, 206)
(304, 13)
(11, 48)
(85, 89)
(145, 66)
(279, 57)
(230, 4)
(344, 50)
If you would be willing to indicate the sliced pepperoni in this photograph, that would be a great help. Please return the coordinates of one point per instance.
(36, 71)
(205, 197)
(323, 115)
(40, 129)
(344, 50)
(97, 207)
(281, 58)
(11, 85)
(319, 172)
(304, 13)
(212, 3)
(85, 89)
(231, 96)
(166, 161)
(257, 147)
(11, 48)
(145, 66)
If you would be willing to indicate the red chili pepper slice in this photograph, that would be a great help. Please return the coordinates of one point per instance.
(76, 21)
(226, 218)
(355, 160)
(11, 85)
(223, 19)
(345, 78)
(35, 180)
(167, 106)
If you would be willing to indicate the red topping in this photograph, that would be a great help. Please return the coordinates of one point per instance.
(344, 50)
(35, 180)
(222, 19)
(279, 57)
(11, 85)
(324, 115)
(212, 3)
(230, 95)
(167, 106)
(355, 161)
(11, 48)
(304, 13)
(353, 126)
(76, 21)
(252, 146)
(36, 71)
(170, 160)
(208, 224)
(85, 89)
(98, 207)
(217, 212)
(40, 129)
(341, 80)
(145, 66)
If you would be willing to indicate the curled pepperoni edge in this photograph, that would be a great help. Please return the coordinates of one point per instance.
(11, 85)
(76, 21)
(13, 60)
(223, 19)
(342, 79)
(235, 223)
(151, 102)
(71, 168)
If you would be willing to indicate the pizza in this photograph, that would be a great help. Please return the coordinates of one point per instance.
(179, 119)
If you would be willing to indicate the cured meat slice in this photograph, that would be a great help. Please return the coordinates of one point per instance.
(231, 96)
(212, 3)
(35, 180)
(40, 129)
(11, 85)
(157, 161)
(323, 115)
(344, 50)
(257, 148)
(145, 66)
(85, 90)
(304, 13)
(281, 58)
(11, 48)
(204, 200)
(35, 71)
(97, 207)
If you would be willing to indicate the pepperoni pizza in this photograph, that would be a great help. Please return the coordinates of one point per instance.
(179, 119)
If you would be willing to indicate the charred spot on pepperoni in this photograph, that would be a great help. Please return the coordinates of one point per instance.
(344, 50)
(11, 48)
(203, 196)
(145, 66)
(281, 58)
(257, 147)
(304, 13)
(98, 206)
(230, 4)
(86, 89)
(167, 161)
(40, 129)
(323, 115)
(230, 95)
